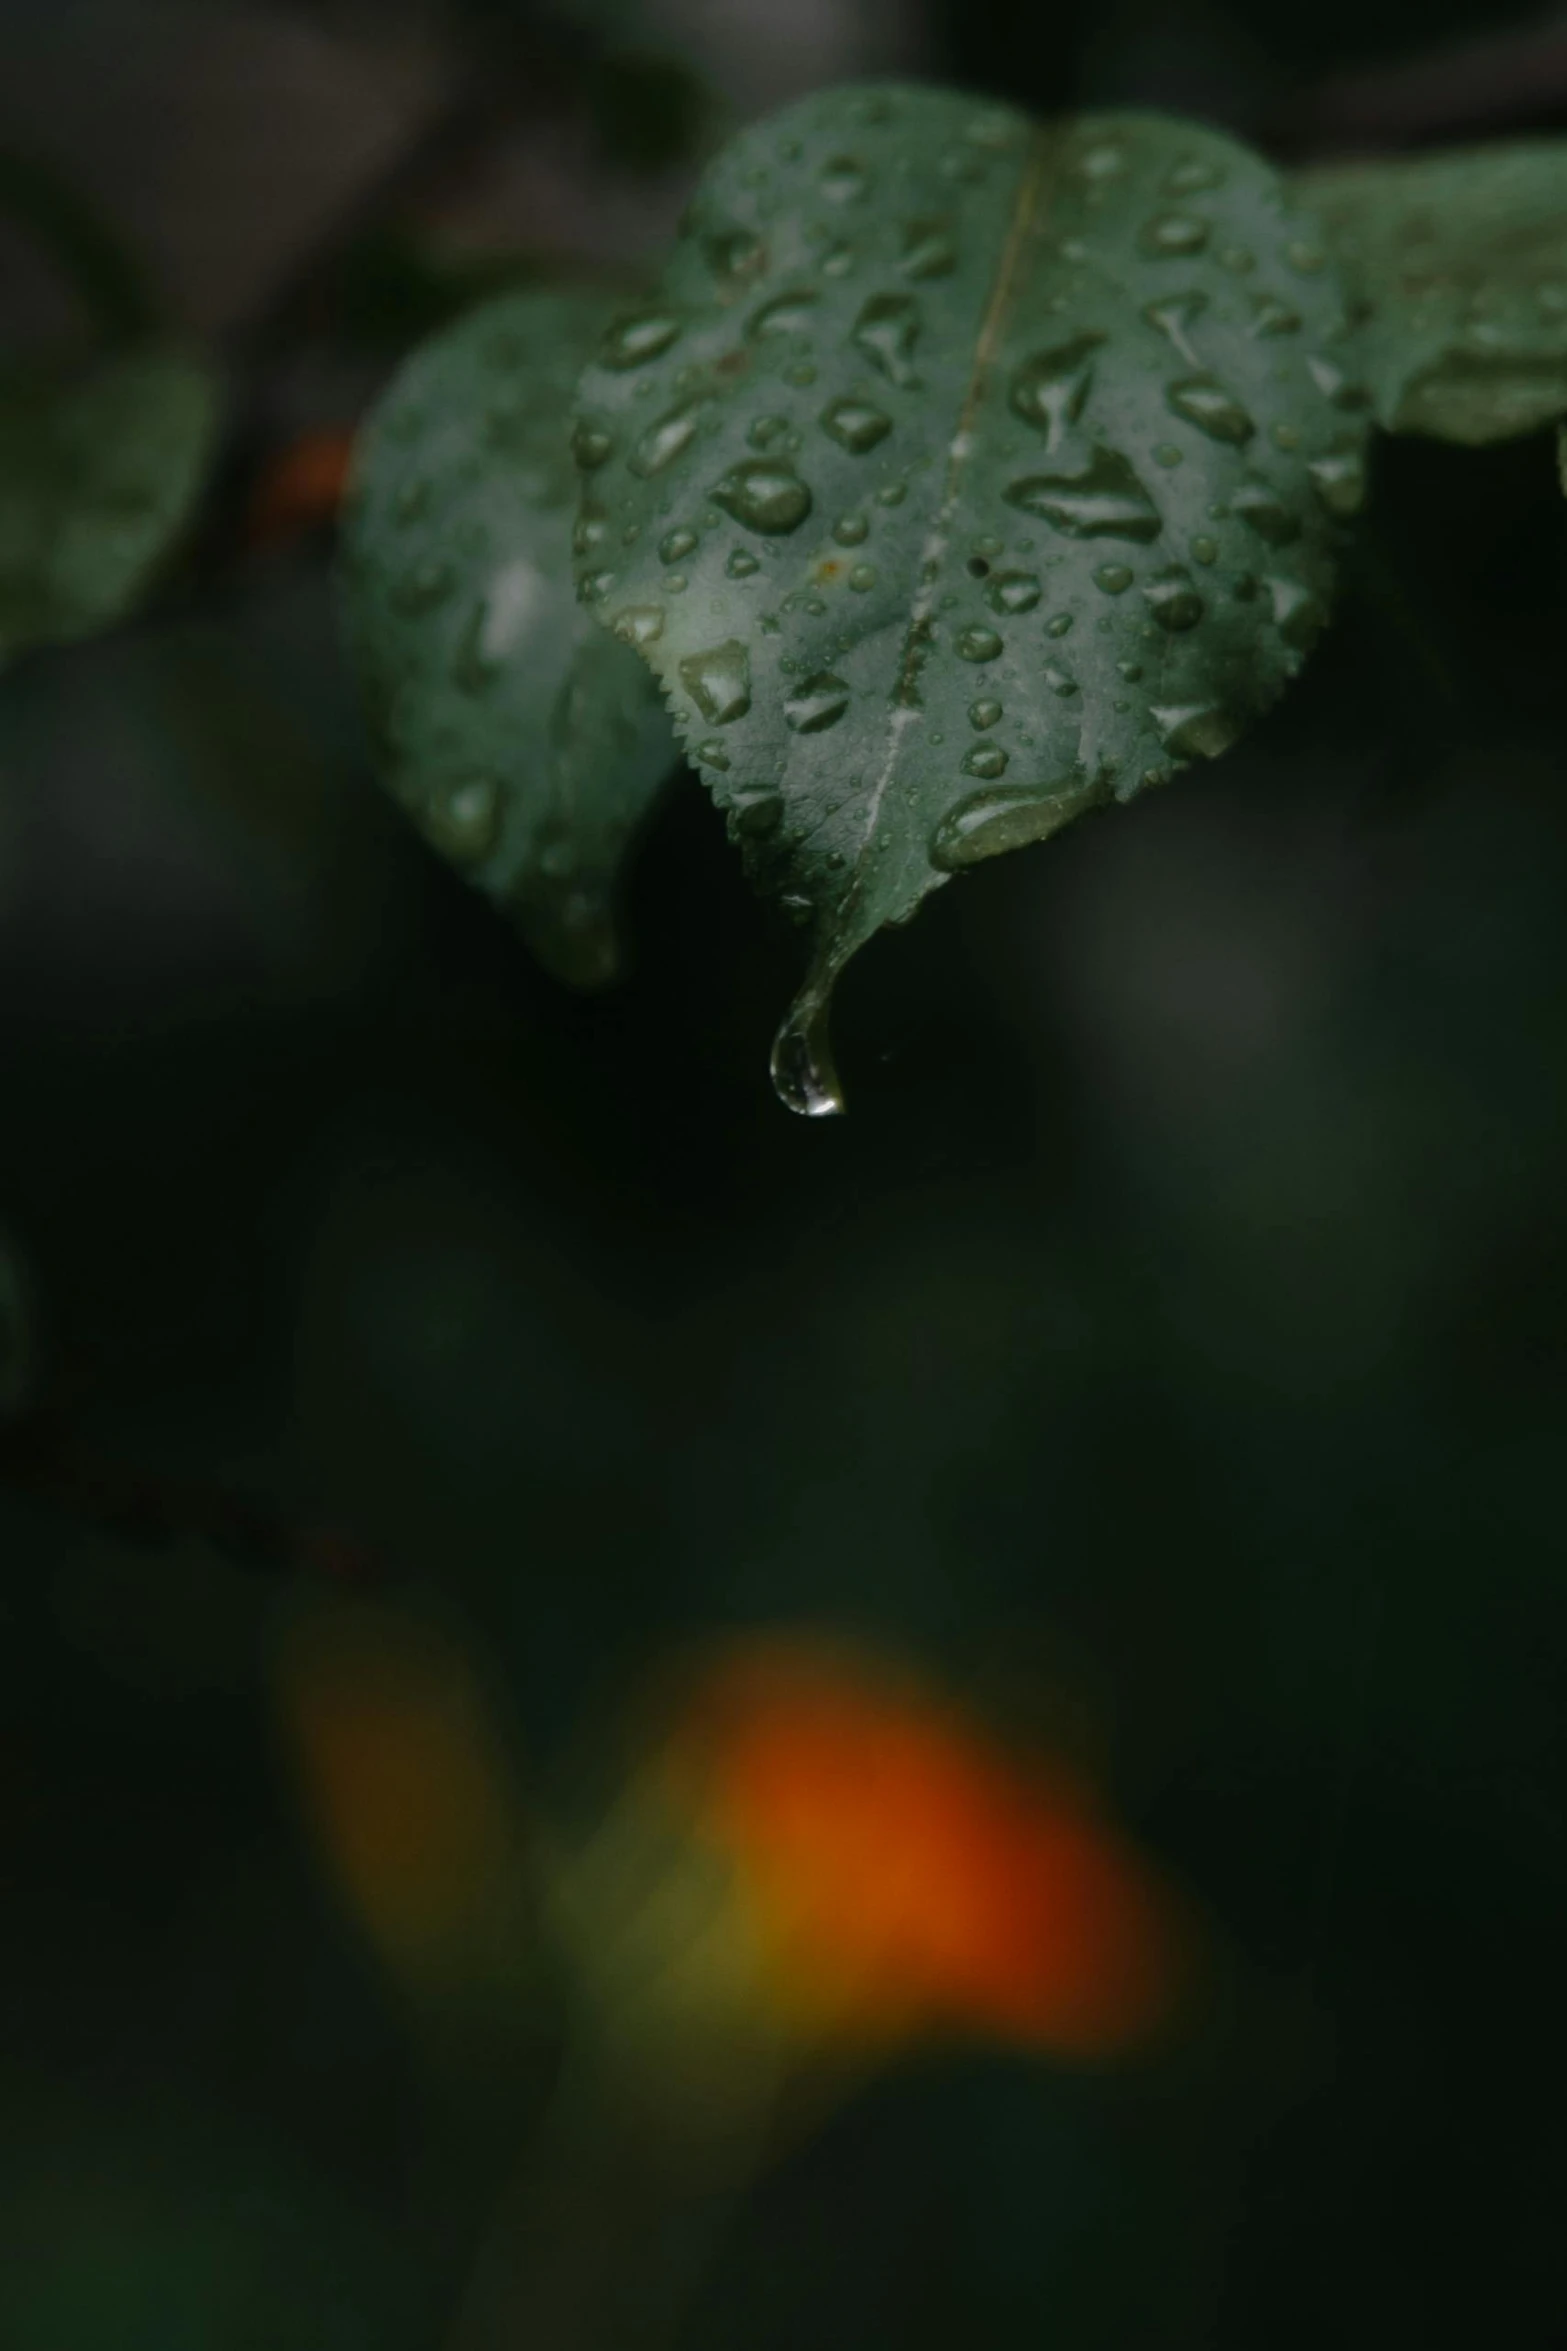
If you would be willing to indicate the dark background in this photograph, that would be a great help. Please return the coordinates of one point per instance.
(1178, 1318)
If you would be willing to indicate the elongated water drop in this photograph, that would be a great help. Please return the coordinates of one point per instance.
(1195, 730)
(1105, 500)
(1174, 317)
(928, 249)
(785, 314)
(990, 823)
(631, 342)
(665, 440)
(1173, 236)
(1204, 402)
(887, 330)
(816, 704)
(1050, 390)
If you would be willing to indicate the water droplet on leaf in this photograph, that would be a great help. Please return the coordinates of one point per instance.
(978, 644)
(855, 425)
(1173, 235)
(1105, 500)
(1173, 599)
(631, 342)
(1204, 402)
(764, 495)
(886, 331)
(1013, 591)
(1050, 390)
(719, 682)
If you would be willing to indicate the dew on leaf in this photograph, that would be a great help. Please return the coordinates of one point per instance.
(640, 624)
(1104, 500)
(765, 495)
(1297, 615)
(842, 179)
(631, 342)
(1205, 550)
(1195, 730)
(1167, 455)
(1173, 599)
(664, 441)
(886, 331)
(756, 814)
(892, 493)
(1333, 383)
(837, 260)
(785, 314)
(928, 249)
(741, 563)
(1175, 316)
(988, 824)
(1173, 235)
(851, 530)
(464, 820)
(1013, 591)
(1114, 578)
(1050, 390)
(676, 545)
(855, 425)
(1059, 680)
(816, 704)
(712, 752)
(985, 759)
(1262, 510)
(863, 576)
(719, 681)
(1339, 480)
(1270, 316)
(1203, 401)
(984, 715)
(1060, 625)
(978, 644)
(1308, 259)
(1192, 176)
(765, 432)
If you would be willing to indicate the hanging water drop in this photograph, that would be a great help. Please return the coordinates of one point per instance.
(1195, 730)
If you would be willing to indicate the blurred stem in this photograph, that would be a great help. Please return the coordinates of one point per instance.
(603, 2240)
(105, 274)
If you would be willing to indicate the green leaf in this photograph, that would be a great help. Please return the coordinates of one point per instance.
(1458, 266)
(526, 744)
(963, 474)
(100, 472)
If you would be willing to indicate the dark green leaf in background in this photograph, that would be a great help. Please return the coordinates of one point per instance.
(100, 471)
(963, 475)
(1458, 264)
(526, 744)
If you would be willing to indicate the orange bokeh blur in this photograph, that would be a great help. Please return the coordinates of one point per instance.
(904, 1874)
(302, 488)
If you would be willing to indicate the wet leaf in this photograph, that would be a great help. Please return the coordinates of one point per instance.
(525, 743)
(100, 472)
(963, 474)
(1458, 265)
